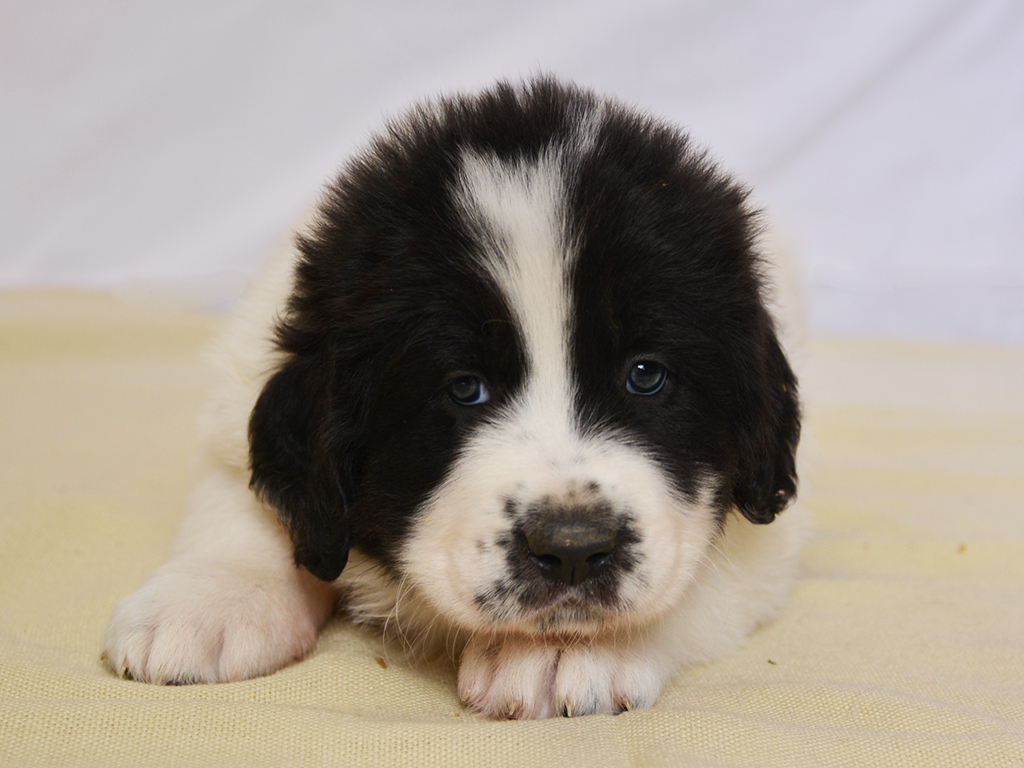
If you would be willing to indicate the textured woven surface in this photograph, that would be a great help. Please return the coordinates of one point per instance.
(903, 645)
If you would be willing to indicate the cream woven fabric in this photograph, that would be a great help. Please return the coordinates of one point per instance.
(903, 645)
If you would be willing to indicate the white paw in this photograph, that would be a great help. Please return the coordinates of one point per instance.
(520, 677)
(215, 624)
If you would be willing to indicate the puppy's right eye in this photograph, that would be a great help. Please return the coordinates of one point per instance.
(468, 390)
(646, 378)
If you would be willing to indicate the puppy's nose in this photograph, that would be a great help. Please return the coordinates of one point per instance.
(570, 552)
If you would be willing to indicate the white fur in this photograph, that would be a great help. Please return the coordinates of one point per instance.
(231, 604)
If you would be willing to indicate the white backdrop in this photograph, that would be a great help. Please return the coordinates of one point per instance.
(169, 143)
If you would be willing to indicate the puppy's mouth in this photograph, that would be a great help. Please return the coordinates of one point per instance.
(560, 617)
(541, 607)
(570, 616)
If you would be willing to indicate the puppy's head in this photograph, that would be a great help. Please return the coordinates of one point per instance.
(529, 365)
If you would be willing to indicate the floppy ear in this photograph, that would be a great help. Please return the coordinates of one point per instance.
(303, 459)
(766, 479)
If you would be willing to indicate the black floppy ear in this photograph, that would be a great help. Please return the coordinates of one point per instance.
(766, 480)
(302, 464)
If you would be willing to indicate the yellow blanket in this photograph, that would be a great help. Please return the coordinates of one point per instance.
(903, 644)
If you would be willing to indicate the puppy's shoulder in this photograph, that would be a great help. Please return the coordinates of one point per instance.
(244, 355)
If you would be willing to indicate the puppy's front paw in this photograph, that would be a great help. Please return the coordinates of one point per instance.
(521, 677)
(215, 624)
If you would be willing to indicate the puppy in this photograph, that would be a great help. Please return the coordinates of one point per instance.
(514, 394)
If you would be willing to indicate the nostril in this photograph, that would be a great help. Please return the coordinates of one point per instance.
(546, 562)
(599, 559)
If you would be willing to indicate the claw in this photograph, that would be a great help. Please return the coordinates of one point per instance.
(567, 708)
(623, 705)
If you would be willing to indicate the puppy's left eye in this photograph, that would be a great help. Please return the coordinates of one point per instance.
(646, 378)
(468, 390)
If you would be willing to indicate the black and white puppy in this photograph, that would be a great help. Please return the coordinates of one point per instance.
(514, 393)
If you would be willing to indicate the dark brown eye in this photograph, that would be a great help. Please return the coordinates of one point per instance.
(468, 390)
(646, 378)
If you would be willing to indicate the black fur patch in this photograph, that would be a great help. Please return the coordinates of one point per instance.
(667, 272)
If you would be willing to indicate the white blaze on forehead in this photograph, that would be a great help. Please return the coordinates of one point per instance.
(518, 211)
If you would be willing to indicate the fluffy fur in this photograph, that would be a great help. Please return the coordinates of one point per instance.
(513, 394)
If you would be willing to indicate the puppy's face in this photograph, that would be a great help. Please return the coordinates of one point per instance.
(530, 368)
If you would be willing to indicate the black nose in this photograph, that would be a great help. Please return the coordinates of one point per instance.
(570, 552)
